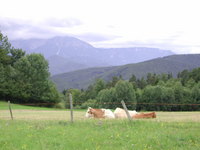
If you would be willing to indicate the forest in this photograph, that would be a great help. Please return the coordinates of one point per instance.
(155, 92)
(25, 79)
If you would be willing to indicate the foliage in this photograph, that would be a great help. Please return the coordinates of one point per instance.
(155, 92)
(107, 98)
(90, 103)
(24, 78)
(125, 91)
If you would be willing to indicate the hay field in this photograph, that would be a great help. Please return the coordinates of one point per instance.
(26, 114)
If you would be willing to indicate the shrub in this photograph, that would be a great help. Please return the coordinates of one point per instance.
(90, 103)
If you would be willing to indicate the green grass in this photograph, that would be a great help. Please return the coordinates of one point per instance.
(98, 134)
(4, 106)
(50, 129)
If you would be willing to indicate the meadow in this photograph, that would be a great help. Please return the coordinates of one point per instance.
(36, 128)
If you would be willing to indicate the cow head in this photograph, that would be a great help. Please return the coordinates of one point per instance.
(96, 113)
(89, 113)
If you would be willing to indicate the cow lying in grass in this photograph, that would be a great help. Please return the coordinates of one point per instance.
(145, 115)
(120, 113)
(99, 113)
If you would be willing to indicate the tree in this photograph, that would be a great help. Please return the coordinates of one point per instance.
(16, 54)
(133, 80)
(33, 80)
(152, 79)
(76, 94)
(125, 91)
(141, 83)
(8, 55)
(90, 93)
(107, 98)
(195, 74)
(99, 85)
(5, 47)
(156, 96)
(184, 76)
(196, 96)
(113, 82)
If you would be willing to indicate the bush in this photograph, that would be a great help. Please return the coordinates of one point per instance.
(60, 105)
(90, 103)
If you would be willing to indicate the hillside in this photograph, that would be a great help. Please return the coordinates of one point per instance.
(58, 64)
(170, 64)
(66, 54)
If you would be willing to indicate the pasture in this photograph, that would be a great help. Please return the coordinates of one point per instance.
(50, 129)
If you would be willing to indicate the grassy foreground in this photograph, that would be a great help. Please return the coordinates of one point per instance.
(98, 134)
(52, 130)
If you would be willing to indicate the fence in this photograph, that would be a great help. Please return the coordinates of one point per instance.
(31, 113)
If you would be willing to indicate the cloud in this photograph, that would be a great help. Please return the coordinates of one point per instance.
(62, 22)
(165, 44)
(7, 24)
(179, 41)
(96, 37)
(23, 29)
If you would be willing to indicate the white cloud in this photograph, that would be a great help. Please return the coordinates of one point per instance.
(168, 24)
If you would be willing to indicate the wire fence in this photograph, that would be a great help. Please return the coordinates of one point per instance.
(20, 112)
(113, 103)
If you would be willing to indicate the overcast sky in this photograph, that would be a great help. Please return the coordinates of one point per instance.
(165, 24)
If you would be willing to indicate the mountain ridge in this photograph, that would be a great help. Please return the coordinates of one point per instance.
(76, 51)
(81, 79)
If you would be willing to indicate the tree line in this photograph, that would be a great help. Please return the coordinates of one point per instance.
(24, 78)
(155, 92)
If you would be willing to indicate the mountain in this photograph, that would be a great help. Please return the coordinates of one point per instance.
(58, 64)
(170, 64)
(66, 54)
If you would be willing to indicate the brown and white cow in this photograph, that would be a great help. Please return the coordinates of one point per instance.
(99, 113)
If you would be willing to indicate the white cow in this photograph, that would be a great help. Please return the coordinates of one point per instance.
(108, 113)
(120, 113)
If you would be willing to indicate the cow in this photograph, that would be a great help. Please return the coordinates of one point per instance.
(145, 115)
(120, 113)
(108, 113)
(99, 113)
(88, 114)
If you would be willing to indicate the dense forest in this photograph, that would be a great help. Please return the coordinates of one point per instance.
(24, 78)
(155, 92)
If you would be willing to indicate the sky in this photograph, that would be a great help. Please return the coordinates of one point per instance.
(165, 24)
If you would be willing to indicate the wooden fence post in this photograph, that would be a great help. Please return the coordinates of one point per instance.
(126, 110)
(10, 110)
(71, 107)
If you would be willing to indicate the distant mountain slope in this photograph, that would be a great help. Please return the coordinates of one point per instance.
(80, 54)
(170, 64)
(58, 64)
(122, 56)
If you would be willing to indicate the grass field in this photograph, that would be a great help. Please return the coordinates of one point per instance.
(50, 129)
